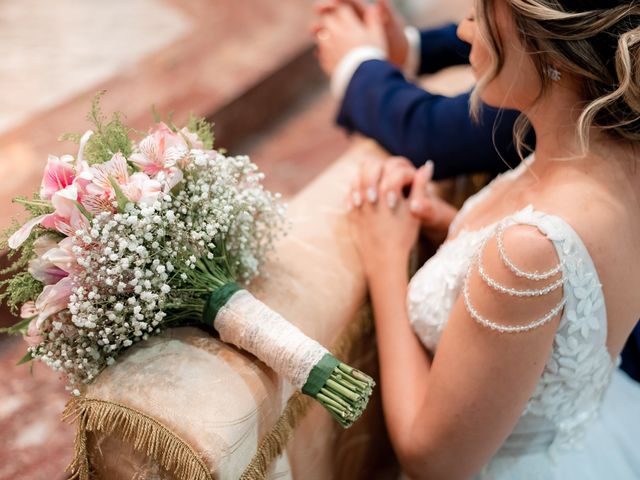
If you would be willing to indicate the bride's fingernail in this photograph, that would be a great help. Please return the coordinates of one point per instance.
(428, 166)
(415, 206)
(357, 199)
(392, 200)
(372, 195)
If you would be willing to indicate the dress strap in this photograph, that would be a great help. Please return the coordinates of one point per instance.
(550, 281)
(571, 253)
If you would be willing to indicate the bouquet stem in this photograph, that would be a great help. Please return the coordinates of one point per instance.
(339, 388)
(247, 323)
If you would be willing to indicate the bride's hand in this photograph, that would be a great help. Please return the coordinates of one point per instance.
(391, 179)
(384, 234)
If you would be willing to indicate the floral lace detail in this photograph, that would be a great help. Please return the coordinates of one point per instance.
(576, 376)
(578, 372)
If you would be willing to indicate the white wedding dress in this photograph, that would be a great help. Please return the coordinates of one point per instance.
(583, 420)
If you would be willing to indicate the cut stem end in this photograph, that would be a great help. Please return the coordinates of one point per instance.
(342, 390)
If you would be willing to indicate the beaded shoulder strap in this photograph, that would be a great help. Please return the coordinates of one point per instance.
(548, 277)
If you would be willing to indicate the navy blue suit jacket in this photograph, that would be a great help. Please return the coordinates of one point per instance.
(408, 121)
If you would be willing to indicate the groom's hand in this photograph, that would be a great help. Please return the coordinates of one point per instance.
(394, 25)
(391, 21)
(434, 213)
(385, 27)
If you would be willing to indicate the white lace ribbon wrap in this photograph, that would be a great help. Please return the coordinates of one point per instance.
(249, 324)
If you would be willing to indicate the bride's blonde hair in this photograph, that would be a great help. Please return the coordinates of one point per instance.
(595, 41)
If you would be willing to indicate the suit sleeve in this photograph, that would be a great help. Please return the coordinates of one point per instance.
(631, 355)
(408, 121)
(441, 48)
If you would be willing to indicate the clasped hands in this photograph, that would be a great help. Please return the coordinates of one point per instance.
(342, 25)
(388, 203)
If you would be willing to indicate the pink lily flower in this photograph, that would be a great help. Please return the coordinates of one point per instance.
(20, 236)
(192, 138)
(43, 268)
(53, 299)
(160, 153)
(55, 264)
(58, 174)
(66, 219)
(62, 256)
(142, 189)
(98, 193)
(45, 271)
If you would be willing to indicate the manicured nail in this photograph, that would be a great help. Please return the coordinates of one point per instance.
(428, 167)
(392, 200)
(372, 195)
(415, 206)
(357, 199)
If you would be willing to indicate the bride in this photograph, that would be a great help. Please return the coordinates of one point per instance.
(498, 357)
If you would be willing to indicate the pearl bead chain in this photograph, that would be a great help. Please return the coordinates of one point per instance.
(520, 273)
(505, 328)
(513, 291)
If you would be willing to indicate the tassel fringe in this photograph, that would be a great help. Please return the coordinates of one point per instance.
(136, 428)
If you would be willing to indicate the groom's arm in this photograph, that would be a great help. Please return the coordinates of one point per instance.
(438, 48)
(408, 121)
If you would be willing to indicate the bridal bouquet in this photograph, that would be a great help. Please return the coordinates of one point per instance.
(129, 238)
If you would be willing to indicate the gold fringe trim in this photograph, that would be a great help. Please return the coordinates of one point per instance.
(134, 427)
(274, 443)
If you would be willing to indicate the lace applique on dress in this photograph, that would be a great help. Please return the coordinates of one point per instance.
(579, 370)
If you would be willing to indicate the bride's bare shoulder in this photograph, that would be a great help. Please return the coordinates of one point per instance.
(608, 223)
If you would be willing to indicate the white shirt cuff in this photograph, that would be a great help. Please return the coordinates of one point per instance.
(412, 62)
(349, 64)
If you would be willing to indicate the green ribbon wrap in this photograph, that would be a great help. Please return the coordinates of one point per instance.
(320, 374)
(218, 299)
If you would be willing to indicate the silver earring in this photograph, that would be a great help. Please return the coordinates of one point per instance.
(554, 74)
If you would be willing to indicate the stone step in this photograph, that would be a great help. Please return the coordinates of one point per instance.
(299, 145)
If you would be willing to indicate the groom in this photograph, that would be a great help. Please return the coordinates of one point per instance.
(377, 101)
